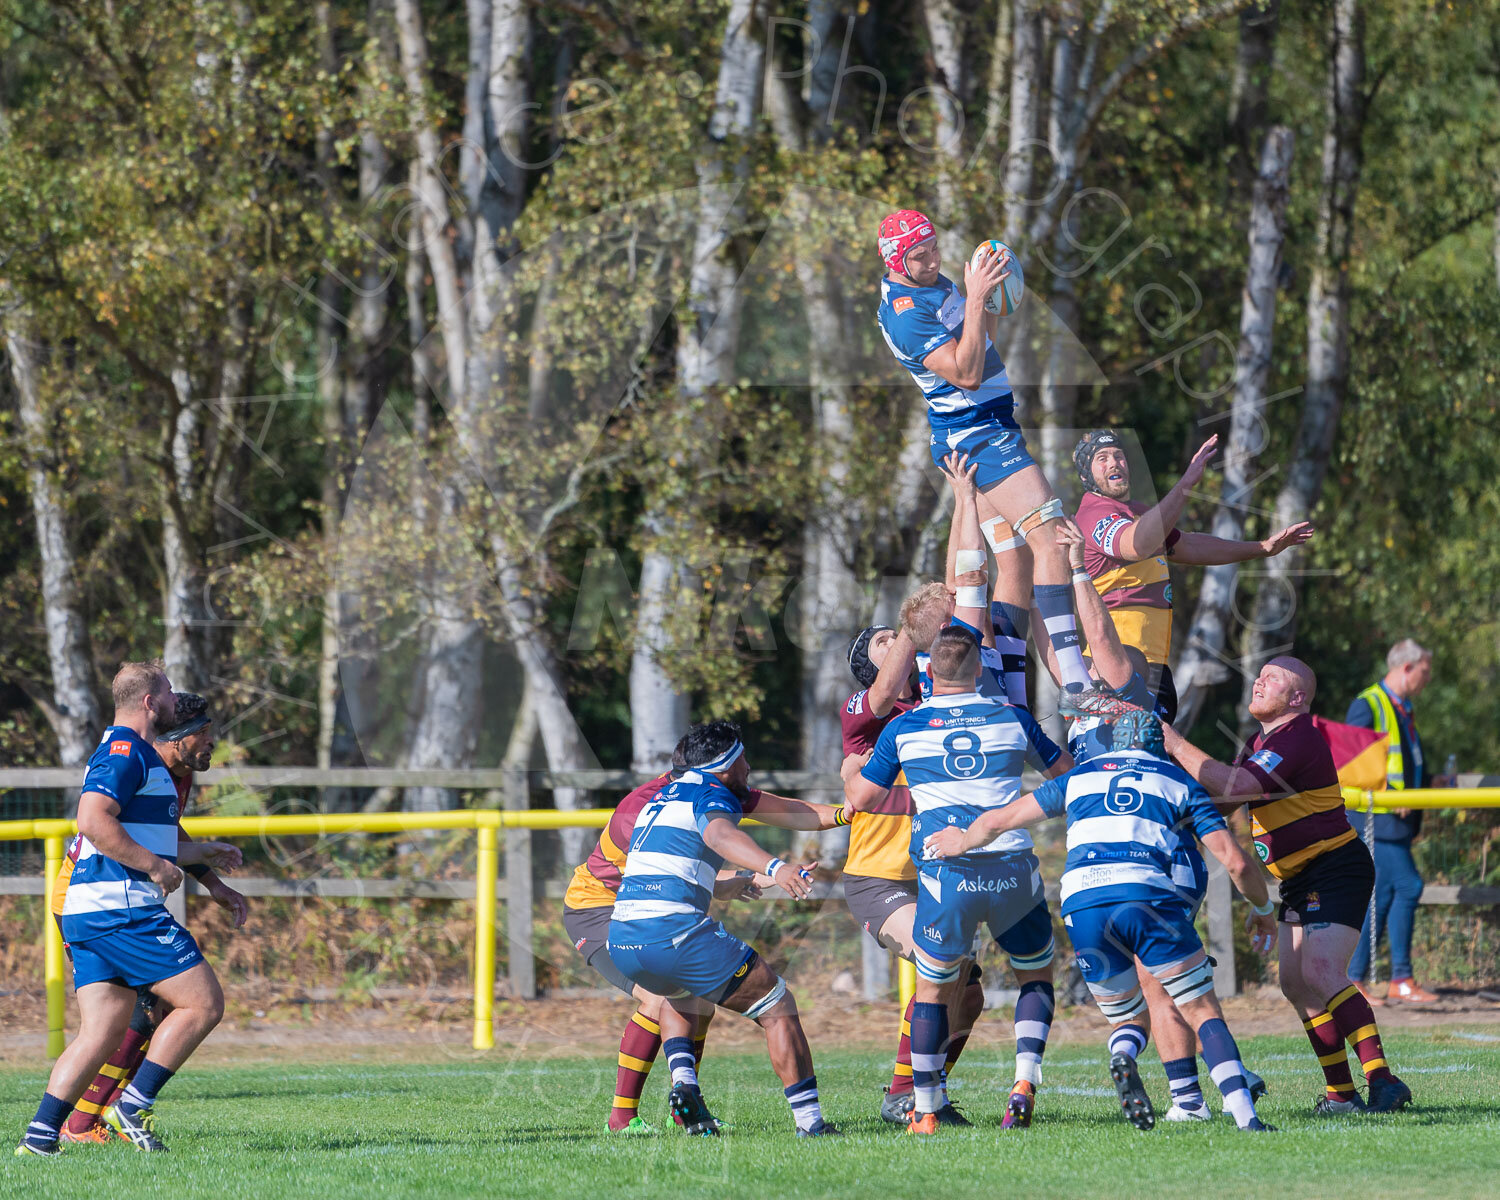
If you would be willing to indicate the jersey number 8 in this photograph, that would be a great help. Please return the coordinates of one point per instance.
(964, 759)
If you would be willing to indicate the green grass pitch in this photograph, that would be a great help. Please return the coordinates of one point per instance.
(505, 1125)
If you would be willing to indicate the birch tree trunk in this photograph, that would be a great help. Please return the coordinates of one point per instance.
(1249, 96)
(707, 339)
(73, 710)
(946, 35)
(1201, 665)
(1275, 621)
(1026, 68)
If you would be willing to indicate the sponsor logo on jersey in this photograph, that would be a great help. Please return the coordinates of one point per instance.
(1010, 883)
(935, 723)
(1263, 852)
(902, 303)
(1266, 760)
(578, 945)
(1313, 902)
(166, 939)
(172, 810)
(1099, 529)
(1116, 527)
(931, 934)
(121, 747)
(856, 704)
(743, 971)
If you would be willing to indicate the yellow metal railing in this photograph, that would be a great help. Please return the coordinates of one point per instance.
(54, 835)
(1474, 797)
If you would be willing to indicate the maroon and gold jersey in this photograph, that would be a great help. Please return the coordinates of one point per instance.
(597, 879)
(879, 841)
(1138, 594)
(1300, 814)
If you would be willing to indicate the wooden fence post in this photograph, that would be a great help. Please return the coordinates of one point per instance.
(1219, 902)
(519, 893)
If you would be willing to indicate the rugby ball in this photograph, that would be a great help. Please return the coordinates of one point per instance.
(1006, 298)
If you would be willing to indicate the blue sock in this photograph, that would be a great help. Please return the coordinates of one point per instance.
(1182, 1078)
(1129, 1039)
(1226, 1070)
(678, 1052)
(1034, 1008)
(1011, 623)
(929, 1050)
(141, 1093)
(1055, 602)
(803, 1097)
(50, 1115)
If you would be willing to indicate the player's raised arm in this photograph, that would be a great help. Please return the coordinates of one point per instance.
(1110, 660)
(1146, 535)
(961, 361)
(99, 822)
(1205, 550)
(968, 573)
(895, 674)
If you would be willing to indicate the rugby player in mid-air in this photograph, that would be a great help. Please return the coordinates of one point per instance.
(588, 907)
(1125, 669)
(116, 924)
(185, 749)
(962, 755)
(1286, 775)
(1126, 811)
(662, 938)
(946, 341)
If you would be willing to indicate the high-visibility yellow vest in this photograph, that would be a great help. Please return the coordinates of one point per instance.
(1388, 723)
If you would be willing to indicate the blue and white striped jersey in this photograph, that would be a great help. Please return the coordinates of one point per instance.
(104, 895)
(915, 321)
(669, 871)
(963, 755)
(1128, 813)
(992, 668)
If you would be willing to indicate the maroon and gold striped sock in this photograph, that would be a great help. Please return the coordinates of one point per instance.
(1328, 1045)
(638, 1048)
(700, 1038)
(901, 1079)
(970, 1006)
(1355, 1020)
(110, 1082)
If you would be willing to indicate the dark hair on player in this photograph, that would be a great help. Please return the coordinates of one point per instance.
(704, 743)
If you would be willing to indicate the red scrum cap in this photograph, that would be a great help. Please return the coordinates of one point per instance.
(901, 231)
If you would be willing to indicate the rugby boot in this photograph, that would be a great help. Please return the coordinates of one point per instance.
(896, 1106)
(1020, 1107)
(1332, 1106)
(635, 1127)
(821, 1128)
(1387, 1095)
(40, 1149)
(1133, 1099)
(1256, 1125)
(1255, 1083)
(950, 1115)
(689, 1111)
(95, 1134)
(925, 1124)
(1096, 700)
(138, 1127)
(1183, 1113)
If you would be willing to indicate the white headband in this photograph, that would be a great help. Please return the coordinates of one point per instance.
(723, 762)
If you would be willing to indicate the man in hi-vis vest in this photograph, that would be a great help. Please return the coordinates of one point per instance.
(1386, 707)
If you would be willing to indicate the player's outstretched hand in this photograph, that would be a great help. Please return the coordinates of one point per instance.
(945, 843)
(1069, 535)
(795, 881)
(1285, 539)
(222, 856)
(226, 897)
(166, 875)
(1195, 470)
(960, 473)
(737, 887)
(1262, 932)
(983, 277)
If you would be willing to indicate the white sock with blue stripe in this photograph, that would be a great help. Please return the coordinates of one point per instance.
(678, 1052)
(803, 1097)
(1224, 1066)
(1128, 1039)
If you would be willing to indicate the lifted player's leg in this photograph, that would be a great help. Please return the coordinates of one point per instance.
(1010, 611)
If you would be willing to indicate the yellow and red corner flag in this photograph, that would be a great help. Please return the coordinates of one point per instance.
(1358, 753)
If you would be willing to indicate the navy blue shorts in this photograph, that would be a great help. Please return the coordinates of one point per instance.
(995, 442)
(707, 961)
(1109, 938)
(151, 948)
(954, 899)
